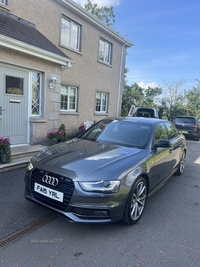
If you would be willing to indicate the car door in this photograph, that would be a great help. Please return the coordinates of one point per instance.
(176, 144)
(164, 158)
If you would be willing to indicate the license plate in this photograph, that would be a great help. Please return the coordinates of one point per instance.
(48, 192)
(183, 132)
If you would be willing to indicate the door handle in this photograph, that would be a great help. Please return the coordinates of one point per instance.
(1, 109)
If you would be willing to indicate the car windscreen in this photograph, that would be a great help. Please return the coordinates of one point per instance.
(119, 132)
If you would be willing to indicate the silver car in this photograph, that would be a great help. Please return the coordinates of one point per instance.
(107, 173)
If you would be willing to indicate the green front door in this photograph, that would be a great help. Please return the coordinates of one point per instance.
(14, 104)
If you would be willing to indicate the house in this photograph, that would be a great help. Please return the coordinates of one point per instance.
(58, 65)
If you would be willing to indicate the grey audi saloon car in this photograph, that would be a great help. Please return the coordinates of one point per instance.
(107, 173)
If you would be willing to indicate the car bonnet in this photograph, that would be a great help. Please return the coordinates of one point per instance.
(86, 159)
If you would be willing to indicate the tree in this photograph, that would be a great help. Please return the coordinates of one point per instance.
(193, 101)
(150, 98)
(132, 95)
(172, 104)
(105, 14)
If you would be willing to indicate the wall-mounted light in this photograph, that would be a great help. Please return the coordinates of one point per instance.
(52, 82)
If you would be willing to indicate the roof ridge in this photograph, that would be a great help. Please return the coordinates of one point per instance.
(14, 17)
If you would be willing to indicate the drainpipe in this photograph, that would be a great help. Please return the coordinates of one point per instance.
(120, 79)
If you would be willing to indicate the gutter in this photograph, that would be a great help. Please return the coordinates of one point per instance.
(93, 20)
(34, 51)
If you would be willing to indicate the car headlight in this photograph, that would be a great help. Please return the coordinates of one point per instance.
(101, 186)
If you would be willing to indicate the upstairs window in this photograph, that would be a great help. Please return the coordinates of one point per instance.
(70, 33)
(4, 2)
(105, 51)
(69, 98)
(101, 102)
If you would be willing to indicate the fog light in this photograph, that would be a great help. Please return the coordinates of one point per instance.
(101, 212)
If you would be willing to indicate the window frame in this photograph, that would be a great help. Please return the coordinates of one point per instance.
(169, 132)
(19, 85)
(161, 132)
(4, 2)
(101, 103)
(105, 51)
(39, 94)
(68, 98)
(71, 34)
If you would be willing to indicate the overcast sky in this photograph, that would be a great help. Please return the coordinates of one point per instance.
(166, 38)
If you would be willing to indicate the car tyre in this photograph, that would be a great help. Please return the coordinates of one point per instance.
(136, 202)
(197, 138)
(181, 165)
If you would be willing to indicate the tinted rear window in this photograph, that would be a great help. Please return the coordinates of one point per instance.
(185, 120)
(145, 113)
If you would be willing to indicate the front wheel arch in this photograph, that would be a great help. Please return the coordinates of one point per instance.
(136, 201)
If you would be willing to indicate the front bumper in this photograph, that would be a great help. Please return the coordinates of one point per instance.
(189, 133)
(79, 217)
(80, 206)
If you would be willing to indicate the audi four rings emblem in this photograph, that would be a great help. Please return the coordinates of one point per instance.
(50, 180)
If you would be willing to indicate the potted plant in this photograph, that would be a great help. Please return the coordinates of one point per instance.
(57, 136)
(5, 150)
(84, 126)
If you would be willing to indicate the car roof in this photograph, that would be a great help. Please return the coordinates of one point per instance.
(182, 116)
(139, 119)
(145, 120)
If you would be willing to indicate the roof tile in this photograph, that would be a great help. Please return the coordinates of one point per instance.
(26, 32)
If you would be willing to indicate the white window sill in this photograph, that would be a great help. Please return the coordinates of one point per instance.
(62, 112)
(101, 114)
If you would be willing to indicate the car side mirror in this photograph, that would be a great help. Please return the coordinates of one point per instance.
(163, 143)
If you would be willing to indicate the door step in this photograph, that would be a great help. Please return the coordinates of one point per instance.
(25, 151)
(20, 156)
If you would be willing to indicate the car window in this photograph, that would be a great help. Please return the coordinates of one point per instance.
(119, 132)
(185, 120)
(145, 112)
(160, 133)
(171, 130)
(93, 133)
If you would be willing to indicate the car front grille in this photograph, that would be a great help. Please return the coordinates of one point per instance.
(65, 185)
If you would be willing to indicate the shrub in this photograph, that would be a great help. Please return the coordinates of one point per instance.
(5, 150)
(57, 136)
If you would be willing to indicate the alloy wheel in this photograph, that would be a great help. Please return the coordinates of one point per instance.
(138, 200)
(182, 163)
